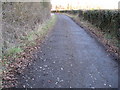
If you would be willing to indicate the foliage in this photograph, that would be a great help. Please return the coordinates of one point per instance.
(20, 18)
(107, 20)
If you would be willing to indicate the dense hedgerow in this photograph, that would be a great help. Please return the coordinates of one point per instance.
(21, 18)
(107, 20)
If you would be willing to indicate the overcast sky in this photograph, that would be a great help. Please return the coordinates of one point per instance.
(104, 4)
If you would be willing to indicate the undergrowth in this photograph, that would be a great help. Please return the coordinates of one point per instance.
(16, 58)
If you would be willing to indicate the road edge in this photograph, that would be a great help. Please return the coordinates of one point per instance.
(93, 35)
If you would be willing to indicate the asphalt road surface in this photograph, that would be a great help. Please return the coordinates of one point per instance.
(70, 58)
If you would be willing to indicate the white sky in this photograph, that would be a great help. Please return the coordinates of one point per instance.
(104, 4)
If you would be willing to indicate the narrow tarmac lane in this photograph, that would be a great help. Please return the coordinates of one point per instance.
(70, 58)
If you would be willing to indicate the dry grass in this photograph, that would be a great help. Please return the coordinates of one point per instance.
(16, 65)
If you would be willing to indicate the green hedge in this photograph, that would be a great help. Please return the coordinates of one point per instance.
(107, 20)
(66, 11)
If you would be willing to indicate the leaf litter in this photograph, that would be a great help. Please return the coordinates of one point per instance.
(18, 65)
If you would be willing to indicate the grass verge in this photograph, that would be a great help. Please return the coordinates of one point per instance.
(16, 59)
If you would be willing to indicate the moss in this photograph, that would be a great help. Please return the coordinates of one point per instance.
(13, 51)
